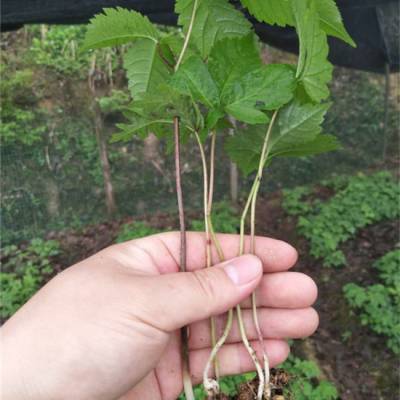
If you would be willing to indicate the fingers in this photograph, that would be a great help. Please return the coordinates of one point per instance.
(234, 358)
(164, 251)
(285, 290)
(274, 323)
(181, 298)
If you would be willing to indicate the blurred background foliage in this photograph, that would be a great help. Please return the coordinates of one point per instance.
(52, 171)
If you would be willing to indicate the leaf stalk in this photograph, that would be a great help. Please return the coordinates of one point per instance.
(187, 383)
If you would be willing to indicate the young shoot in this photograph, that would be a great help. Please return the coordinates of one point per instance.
(191, 83)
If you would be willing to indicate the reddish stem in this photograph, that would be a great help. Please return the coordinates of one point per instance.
(182, 264)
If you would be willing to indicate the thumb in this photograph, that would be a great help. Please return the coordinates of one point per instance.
(183, 298)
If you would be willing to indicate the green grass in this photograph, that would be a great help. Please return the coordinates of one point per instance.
(134, 230)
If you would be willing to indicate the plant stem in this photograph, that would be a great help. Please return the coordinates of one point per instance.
(212, 173)
(187, 383)
(207, 208)
(208, 223)
(261, 165)
(211, 385)
(252, 353)
(263, 375)
(187, 37)
(242, 328)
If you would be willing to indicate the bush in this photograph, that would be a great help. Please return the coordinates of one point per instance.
(24, 271)
(304, 383)
(134, 230)
(293, 200)
(378, 305)
(364, 200)
(224, 219)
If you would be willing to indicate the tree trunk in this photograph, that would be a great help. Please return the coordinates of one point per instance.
(234, 182)
(386, 112)
(53, 197)
(151, 152)
(102, 145)
(43, 32)
(103, 153)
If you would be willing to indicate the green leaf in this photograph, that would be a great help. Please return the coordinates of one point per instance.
(212, 118)
(145, 68)
(266, 88)
(326, 390)
(194, 79)
(244, 148)
(163, 104)
(270, 11)
(174, 43)
(320, 144)
(214, 20)
(230, 59)
(297, 135)
(331, 20)
(279, 12)
(142, 128)
(247, 114)
(297, 124)
(314, 69)
(117, 26)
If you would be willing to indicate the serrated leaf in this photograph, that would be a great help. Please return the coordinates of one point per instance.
(163, 104)
(214, 21)
(230, 59)
(279, 12)
(296, 124)
(273, 12)
(331, 20)
(144, 66)
(313, 70)
(266, 88)
(194, 79)
(320, 144)
(117, 26)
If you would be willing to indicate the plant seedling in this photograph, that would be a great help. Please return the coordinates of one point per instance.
(189, 85)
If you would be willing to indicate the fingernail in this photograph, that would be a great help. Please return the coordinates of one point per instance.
(243, 270)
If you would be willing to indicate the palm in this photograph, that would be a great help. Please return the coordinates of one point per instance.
(159, 256)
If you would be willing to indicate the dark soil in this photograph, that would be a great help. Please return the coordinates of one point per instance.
(355, 359)
(79, 244)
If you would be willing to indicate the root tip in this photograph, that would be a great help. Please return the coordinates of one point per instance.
(211, 386)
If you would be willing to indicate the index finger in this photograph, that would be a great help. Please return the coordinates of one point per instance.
(164, 250)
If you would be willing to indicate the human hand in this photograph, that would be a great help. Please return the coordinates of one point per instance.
(108, 327)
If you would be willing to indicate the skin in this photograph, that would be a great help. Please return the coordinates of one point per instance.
(108, 327)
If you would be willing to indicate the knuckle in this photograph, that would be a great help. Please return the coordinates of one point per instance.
(206, 287)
